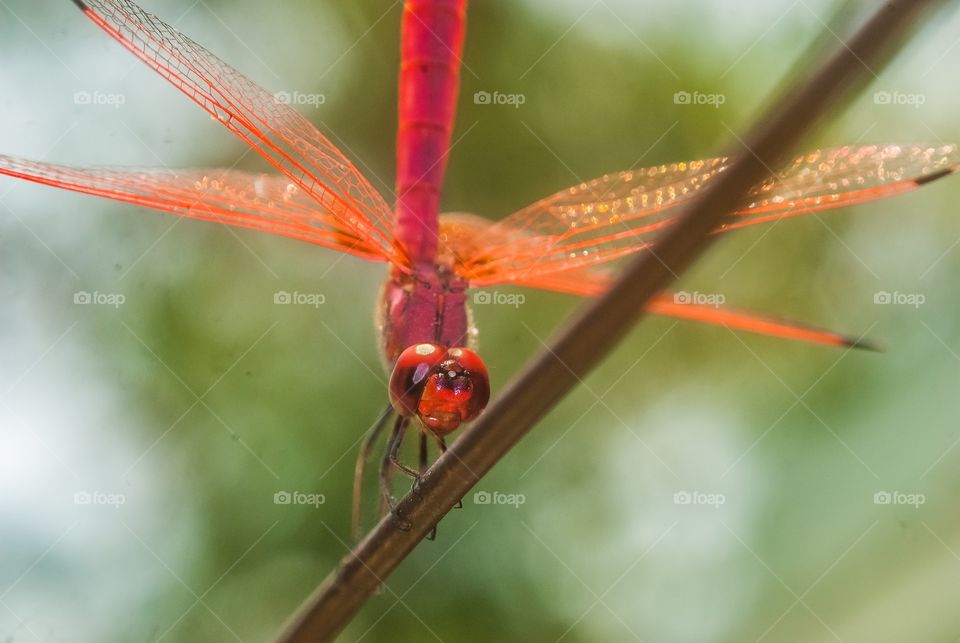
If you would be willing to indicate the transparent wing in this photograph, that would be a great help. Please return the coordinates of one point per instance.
(272, 128)
(592, 282)
(271, 203)
(619, 214)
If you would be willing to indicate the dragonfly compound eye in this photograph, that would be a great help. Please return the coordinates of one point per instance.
(455, 392)
(410, 374)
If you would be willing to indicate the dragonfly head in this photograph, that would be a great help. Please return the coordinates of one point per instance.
(444, 387)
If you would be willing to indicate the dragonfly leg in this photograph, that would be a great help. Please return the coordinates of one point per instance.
(386, 493)
(442, 445)
(362, 457)
(393, 454)
(424, 465)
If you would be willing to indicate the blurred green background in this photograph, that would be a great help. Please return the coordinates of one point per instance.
(182, 412)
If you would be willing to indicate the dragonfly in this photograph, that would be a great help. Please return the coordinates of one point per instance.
(567, 242)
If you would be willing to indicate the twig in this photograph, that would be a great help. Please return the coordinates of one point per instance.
(596, 329)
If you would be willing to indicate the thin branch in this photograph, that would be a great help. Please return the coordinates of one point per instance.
(597, 329)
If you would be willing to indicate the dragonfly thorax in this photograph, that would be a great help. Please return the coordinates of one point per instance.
(425, 306)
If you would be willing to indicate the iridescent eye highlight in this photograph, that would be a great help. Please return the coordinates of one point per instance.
(410, 373)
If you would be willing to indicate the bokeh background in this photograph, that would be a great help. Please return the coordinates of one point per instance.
(699, 486)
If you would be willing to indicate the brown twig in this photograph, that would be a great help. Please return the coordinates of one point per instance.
(596, 329)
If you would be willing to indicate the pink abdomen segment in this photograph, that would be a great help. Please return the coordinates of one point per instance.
(432, 43)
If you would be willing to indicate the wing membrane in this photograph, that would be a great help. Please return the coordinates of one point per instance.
(620, 214)
(272, 128)
(592, 282)
(271, 203)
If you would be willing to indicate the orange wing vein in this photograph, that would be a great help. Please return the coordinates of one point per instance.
(270, 203)
(619, 214)
(350, 208)
(592, 282)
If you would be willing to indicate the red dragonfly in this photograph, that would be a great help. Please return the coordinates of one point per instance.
(564, 242)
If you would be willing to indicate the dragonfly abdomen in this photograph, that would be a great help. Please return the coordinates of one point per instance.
(432, 43)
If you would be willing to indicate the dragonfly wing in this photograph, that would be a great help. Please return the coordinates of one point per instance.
(265, 122)
(271, 203)
(620, 214)
(592, 282)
